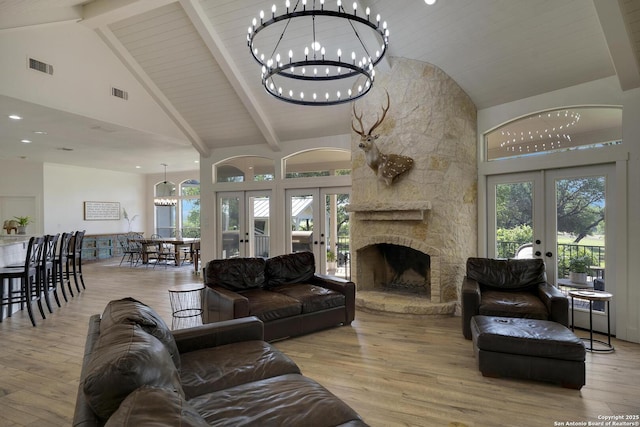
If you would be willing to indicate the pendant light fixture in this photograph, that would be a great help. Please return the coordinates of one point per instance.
(164, 191)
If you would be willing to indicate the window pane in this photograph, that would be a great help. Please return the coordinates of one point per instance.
(514, 220)
(166, 220)
(230, 222)
(301, 219)
(190, 217)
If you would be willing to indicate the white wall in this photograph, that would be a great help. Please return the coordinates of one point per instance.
(67, 187)
(80, 86)
(22, 178)
(627, 159)
(60, 191)
(630, 305)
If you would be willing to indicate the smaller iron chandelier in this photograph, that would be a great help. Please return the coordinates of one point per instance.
(301, 60)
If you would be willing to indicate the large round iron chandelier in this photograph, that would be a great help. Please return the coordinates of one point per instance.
(313, 54)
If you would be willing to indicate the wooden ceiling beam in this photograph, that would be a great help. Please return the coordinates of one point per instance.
(214, 43)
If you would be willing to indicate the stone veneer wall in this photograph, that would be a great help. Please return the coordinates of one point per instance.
(432, 120)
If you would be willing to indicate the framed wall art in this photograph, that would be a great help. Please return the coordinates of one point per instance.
(101, 211)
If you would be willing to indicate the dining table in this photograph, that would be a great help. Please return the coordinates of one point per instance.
(176, 242)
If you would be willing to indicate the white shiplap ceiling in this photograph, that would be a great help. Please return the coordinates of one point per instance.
(192, 59)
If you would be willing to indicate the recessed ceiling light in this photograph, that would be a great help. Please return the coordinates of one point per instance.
(138, 167)
(196, 161)
(430, 2)
(26, 141)
(39, 132)
(15, 117)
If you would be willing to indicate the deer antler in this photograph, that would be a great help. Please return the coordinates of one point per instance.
(384, 113)
(379, 120)
(359, 118)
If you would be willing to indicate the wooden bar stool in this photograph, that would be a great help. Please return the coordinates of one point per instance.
(60, 262)
(30, 286)
(48, 276)
(73, 263)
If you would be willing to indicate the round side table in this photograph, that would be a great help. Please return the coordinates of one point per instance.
(186, 306)
(592, 296)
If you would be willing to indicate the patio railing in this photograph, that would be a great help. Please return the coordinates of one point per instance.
(565, 252)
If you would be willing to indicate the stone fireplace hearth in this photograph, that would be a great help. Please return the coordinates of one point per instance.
(410, 240)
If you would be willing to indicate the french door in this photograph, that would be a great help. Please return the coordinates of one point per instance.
(317, 221)
(244, 224)
(558, 215)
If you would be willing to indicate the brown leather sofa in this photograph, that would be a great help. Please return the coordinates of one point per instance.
(284, 292)
(136, 372)
(510, 288)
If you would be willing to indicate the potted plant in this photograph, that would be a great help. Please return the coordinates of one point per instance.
(332, 265)
(578, 268)
(125, 215)
(23, 221)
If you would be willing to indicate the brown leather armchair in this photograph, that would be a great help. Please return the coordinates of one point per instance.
(510, 288)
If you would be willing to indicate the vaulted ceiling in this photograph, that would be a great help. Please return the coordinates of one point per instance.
(190, 58)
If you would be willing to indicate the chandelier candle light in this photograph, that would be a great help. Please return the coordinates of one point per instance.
(315, 55)
(555, 133)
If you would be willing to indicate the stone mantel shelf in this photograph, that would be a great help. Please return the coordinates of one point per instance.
(397, 211)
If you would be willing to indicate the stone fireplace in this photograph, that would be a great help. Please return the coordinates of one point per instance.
(410, 240)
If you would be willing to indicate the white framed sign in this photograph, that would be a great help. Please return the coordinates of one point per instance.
(101, 211)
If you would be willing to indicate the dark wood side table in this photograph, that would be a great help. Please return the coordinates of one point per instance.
(592, 296)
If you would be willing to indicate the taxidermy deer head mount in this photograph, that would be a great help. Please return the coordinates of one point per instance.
(387, 167)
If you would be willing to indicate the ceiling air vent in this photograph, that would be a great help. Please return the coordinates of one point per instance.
(43, 67)
(119, 93)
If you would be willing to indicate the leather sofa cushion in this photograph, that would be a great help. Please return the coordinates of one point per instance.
(507, 274)
(286, 400)
(124, 358)
(236, 274)
(313, 298)
(217, 368)
(541, 338)
(155, 407)
(268, 306)
(131, 311)
(290, 268)
(512, 304)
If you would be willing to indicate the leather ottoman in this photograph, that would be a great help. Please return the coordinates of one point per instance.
(529, 349)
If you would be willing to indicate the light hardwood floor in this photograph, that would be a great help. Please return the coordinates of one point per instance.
(394, 372)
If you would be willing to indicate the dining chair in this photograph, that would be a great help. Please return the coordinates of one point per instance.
(147, 250)
(164, 252)
(129, 250)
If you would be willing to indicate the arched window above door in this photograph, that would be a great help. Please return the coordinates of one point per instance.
(245, 168)
(561, 129)
(320, 162)
(165, 189)
(190, 188)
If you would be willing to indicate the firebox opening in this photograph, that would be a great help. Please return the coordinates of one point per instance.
(400, 269)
